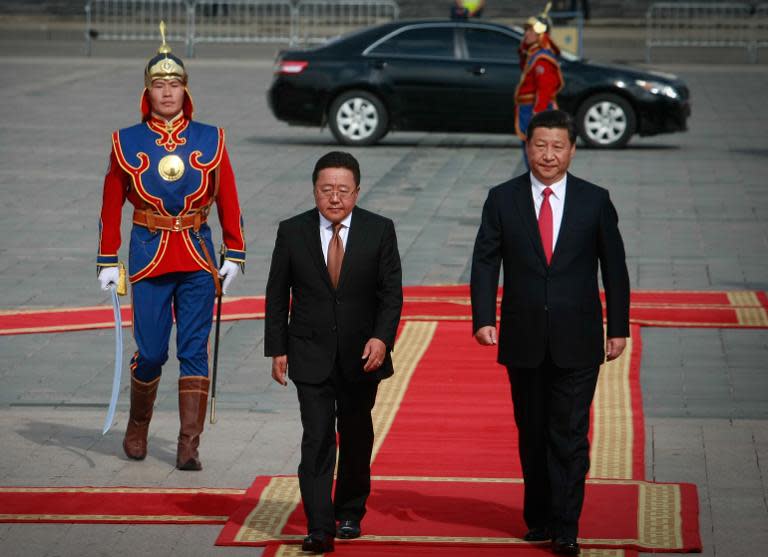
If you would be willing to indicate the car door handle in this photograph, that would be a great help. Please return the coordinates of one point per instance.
(477, 70)
(379, 64)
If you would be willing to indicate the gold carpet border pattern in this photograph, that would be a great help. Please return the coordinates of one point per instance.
(294, 550)
(276, 504)
(659, 515)
(612, 431)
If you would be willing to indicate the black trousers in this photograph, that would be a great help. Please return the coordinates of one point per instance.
(335, 403)
(551, 407)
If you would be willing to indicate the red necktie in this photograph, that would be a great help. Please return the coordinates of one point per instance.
(335, 255)
(545, 224)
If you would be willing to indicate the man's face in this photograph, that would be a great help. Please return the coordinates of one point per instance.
(166, 97)
(335, 193)
(549, 154)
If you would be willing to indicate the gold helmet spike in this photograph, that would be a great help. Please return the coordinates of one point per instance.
(164, 65)
(541, 23)
(164, 48)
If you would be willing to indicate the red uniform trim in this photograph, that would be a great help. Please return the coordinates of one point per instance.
(169, 140)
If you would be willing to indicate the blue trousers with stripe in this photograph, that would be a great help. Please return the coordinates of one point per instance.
(190, 297)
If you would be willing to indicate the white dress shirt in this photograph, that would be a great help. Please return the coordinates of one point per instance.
(556, 201)
(326, 233)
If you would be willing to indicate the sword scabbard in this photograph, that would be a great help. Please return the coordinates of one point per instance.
(122, 283)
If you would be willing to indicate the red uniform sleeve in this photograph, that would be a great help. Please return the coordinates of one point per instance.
(116, 185)
(228, 208)
(547, 79)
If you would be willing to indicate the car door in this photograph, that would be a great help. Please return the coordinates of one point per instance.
(418, 69)
(491, 57)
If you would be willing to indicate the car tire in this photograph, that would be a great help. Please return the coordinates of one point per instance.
(606, 121)
(358, 118)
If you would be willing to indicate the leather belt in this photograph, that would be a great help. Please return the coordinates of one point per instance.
(152, 221)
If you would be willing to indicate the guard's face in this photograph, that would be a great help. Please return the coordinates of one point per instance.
(335, 193)
(549, 154)
(530, 36)
(166, 97)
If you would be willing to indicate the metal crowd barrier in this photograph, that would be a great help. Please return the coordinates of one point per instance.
(319, 20)
(761, 28)
(232, 21)
(700, 24)
(134, 20)
(240, 21)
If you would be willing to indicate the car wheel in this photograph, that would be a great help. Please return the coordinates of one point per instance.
(606, 120)
(358, 118)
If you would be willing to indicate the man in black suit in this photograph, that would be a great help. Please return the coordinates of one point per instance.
(334, 297)
(550, 230)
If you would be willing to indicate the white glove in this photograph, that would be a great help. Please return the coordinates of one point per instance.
(108, 277)
(229, 270)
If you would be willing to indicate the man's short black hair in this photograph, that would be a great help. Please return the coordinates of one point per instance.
(337, 159)
(553, 119)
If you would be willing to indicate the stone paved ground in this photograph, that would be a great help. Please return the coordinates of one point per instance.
(693, 213)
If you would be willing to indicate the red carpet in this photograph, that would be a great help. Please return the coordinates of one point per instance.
(431, 303)
(445, 461)
(466, 514)
(445, 471)
(134, 505)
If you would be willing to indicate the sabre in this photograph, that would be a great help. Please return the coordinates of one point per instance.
(216, 345)
(118, 351)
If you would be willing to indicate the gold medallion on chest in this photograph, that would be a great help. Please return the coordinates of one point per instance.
(171, 168)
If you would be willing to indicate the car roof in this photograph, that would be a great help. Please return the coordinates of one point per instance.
(361, 38)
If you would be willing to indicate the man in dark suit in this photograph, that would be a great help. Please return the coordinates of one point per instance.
(550, 230)
(334, 297)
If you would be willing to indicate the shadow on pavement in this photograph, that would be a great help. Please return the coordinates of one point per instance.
(80, 441)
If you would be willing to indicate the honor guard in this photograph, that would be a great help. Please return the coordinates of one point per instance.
(541, 79)
(171, 169)
(464, 9)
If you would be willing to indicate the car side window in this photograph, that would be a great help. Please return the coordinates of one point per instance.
(436, 42)
(486, 44)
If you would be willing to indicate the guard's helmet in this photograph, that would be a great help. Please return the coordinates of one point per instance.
(164, 65)
(541, 23)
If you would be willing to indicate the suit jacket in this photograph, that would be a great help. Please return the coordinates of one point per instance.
(327, 326)
(555, 307)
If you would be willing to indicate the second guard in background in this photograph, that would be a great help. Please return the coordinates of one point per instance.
(541, 79)
(171, 169)
(464, 9)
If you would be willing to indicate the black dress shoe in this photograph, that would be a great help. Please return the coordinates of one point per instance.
(318, 543)
(537, 535)
(348, 530)
(565, 546)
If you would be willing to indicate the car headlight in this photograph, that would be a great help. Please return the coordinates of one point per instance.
(657, 88)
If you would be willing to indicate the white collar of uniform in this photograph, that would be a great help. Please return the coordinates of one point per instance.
(558, 188)
(325, 223)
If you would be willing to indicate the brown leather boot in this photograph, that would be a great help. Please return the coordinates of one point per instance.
(142, 403)
(193, 399)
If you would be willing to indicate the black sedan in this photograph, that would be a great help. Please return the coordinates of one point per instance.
(459, 76)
